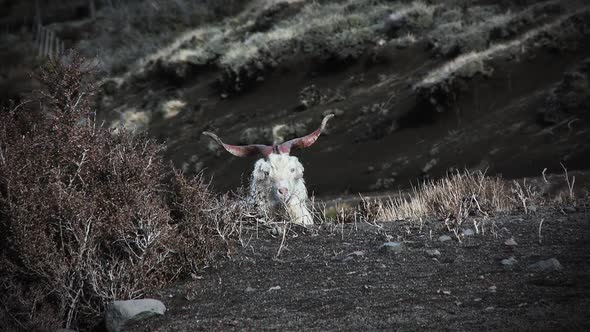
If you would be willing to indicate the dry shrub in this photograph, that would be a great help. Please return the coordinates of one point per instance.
(207, 224)
(454, 197)
(86, 216)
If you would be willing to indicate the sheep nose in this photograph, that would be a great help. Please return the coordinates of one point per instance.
(283, 191)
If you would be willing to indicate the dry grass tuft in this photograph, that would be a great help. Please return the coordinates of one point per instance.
(454, 197)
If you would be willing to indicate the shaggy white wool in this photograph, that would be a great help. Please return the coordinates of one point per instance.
(281, 172)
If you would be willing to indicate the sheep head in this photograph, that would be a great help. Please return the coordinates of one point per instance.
(282, 176)
(281, 173)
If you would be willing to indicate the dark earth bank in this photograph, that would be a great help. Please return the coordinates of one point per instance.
(514, 109)
(339, 277)
(509, 115)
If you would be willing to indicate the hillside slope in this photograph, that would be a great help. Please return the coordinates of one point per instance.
(418, 88)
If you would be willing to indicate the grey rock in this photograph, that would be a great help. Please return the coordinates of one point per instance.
(468, 232)
(570, 209)
(352, 255)
(508, 262)
(255, 135)
(429, 165)
(444, 238)
(357, 253)
(532, 208)
(510, 242)
(383, 184)
(310, 96)
(548, 265)
(393, 247)
(119, 313)
(283, 132)
(249, 289)
(432, 252)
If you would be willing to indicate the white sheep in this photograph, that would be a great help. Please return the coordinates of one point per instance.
(277, 183)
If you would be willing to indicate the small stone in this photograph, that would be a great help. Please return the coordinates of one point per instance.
(489, 308)
(508, 262)
(393, 247)
(510, 242)
(446, 292)
(444, 238)
(492, 289)
(224, 96)
(548, 265)
(429, 165)
(432, 252)
(119, 313)
(477, 299)
(274, 288)
(357, 253)
(569, 209)
(370, 169)
(249, 289)
(468, 232)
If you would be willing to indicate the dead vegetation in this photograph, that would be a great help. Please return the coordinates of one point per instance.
(460, 197)
(88, 216)
(455, 197)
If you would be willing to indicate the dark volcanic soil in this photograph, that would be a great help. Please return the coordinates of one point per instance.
(339, 279)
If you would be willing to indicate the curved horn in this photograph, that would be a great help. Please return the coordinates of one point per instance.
(305, 141)
(242, 150)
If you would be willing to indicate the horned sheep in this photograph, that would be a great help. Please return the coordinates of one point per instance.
(277, 183)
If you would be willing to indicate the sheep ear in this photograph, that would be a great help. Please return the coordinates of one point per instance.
(305, 141)
(242, 150)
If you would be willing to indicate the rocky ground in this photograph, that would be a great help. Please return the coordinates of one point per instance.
(342, 277)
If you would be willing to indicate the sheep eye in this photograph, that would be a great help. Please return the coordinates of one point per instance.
(292, 170)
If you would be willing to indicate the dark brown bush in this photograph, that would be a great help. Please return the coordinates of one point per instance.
(86, 214)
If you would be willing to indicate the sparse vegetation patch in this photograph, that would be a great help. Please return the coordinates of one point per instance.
(87, 215)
